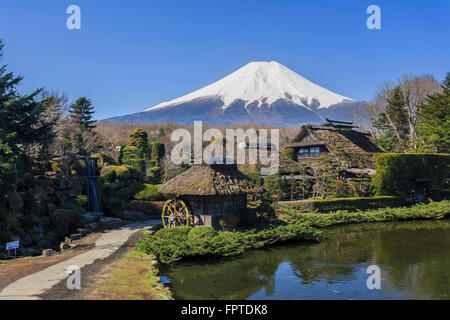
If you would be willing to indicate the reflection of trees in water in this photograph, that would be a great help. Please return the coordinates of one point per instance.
(420, 260)
(229, 279)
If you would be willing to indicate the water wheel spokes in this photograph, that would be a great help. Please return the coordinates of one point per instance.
(175, 213)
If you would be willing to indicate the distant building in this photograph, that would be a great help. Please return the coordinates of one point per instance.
(313, 141)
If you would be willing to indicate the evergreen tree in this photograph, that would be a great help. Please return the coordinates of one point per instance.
(434, 128)
(393, 123)
(23, 125)
(81, 112)
(139, 139)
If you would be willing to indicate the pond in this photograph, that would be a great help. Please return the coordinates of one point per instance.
(414, 259)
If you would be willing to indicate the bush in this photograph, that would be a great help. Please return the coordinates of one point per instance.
(174, 244)
(201, 232)
(290, 153)
(82, 200)
(148, 192)
(433, 210)
(350, 204)
(65, 221)
(158, 152)
(396, 173)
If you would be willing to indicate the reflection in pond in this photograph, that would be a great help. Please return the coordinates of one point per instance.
(414, 258)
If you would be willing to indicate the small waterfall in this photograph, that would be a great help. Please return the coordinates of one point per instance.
(94, 204)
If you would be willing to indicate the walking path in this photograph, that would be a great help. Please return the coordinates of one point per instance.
(30, 287)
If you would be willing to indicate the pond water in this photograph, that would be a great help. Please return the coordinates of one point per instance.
(414, 259)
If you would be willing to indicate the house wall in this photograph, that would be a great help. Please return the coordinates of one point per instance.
(209, 209)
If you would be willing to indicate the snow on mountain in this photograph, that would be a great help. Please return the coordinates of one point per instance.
(258, 93)
(263, 83)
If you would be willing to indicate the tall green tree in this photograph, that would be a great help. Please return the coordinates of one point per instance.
(393, 123)
(24, 125)
(81, 112)
(139, 139)
(434, 128)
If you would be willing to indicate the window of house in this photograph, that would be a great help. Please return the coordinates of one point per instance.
(315, 150)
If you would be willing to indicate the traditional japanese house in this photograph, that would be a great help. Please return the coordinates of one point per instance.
(206, 192)
(313, 141)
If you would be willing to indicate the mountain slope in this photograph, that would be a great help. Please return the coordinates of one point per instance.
(260, 93)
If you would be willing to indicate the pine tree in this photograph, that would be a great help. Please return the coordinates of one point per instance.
(139, 139)
(23, 125)
(81, 112)
(434, 128)
(393, 123)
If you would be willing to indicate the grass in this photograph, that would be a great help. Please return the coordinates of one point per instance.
(133, 277)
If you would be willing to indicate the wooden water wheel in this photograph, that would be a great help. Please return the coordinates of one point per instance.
(176, 213)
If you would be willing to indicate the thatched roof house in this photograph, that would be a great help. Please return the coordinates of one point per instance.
(211, 191)
(314, 141)
(209, 180)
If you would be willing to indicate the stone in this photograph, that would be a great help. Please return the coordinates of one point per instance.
(83, 232)
(76, 236)
(44, 244)
(110, 222)
(91, 216)
(48, 253)
(134, 215)
(93, 226)
(64, 246)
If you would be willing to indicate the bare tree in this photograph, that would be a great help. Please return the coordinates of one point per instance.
(415, 90)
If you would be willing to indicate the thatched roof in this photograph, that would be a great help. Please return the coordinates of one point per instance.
(209, 180)
(351, 140)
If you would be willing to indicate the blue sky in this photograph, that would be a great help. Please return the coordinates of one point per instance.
(131, 55)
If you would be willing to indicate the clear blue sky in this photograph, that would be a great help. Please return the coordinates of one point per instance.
(131, 55)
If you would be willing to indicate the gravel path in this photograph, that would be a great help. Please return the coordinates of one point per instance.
(30, 287)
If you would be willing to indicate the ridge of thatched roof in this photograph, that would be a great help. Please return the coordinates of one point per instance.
(351, 140)
(210, 180)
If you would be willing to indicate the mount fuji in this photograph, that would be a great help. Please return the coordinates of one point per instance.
(258, 93)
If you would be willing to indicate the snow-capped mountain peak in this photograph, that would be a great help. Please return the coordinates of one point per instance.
(263, 83)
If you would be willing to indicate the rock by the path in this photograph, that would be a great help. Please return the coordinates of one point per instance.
(110, 222)
(93, 226)
(48, 252)
(91, 216)
(134, 215)
(76, 236)
(45, 244)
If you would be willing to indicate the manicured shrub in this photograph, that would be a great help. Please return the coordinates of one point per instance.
(82, 199)
(173, 244)
(433, 210)
(201, 232)
(290, 153)
(148, 192)
(350, 204)
(158, 151)
(396, 173)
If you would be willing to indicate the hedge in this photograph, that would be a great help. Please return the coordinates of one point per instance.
(396, 174)
(350, 204)
(433, 210)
